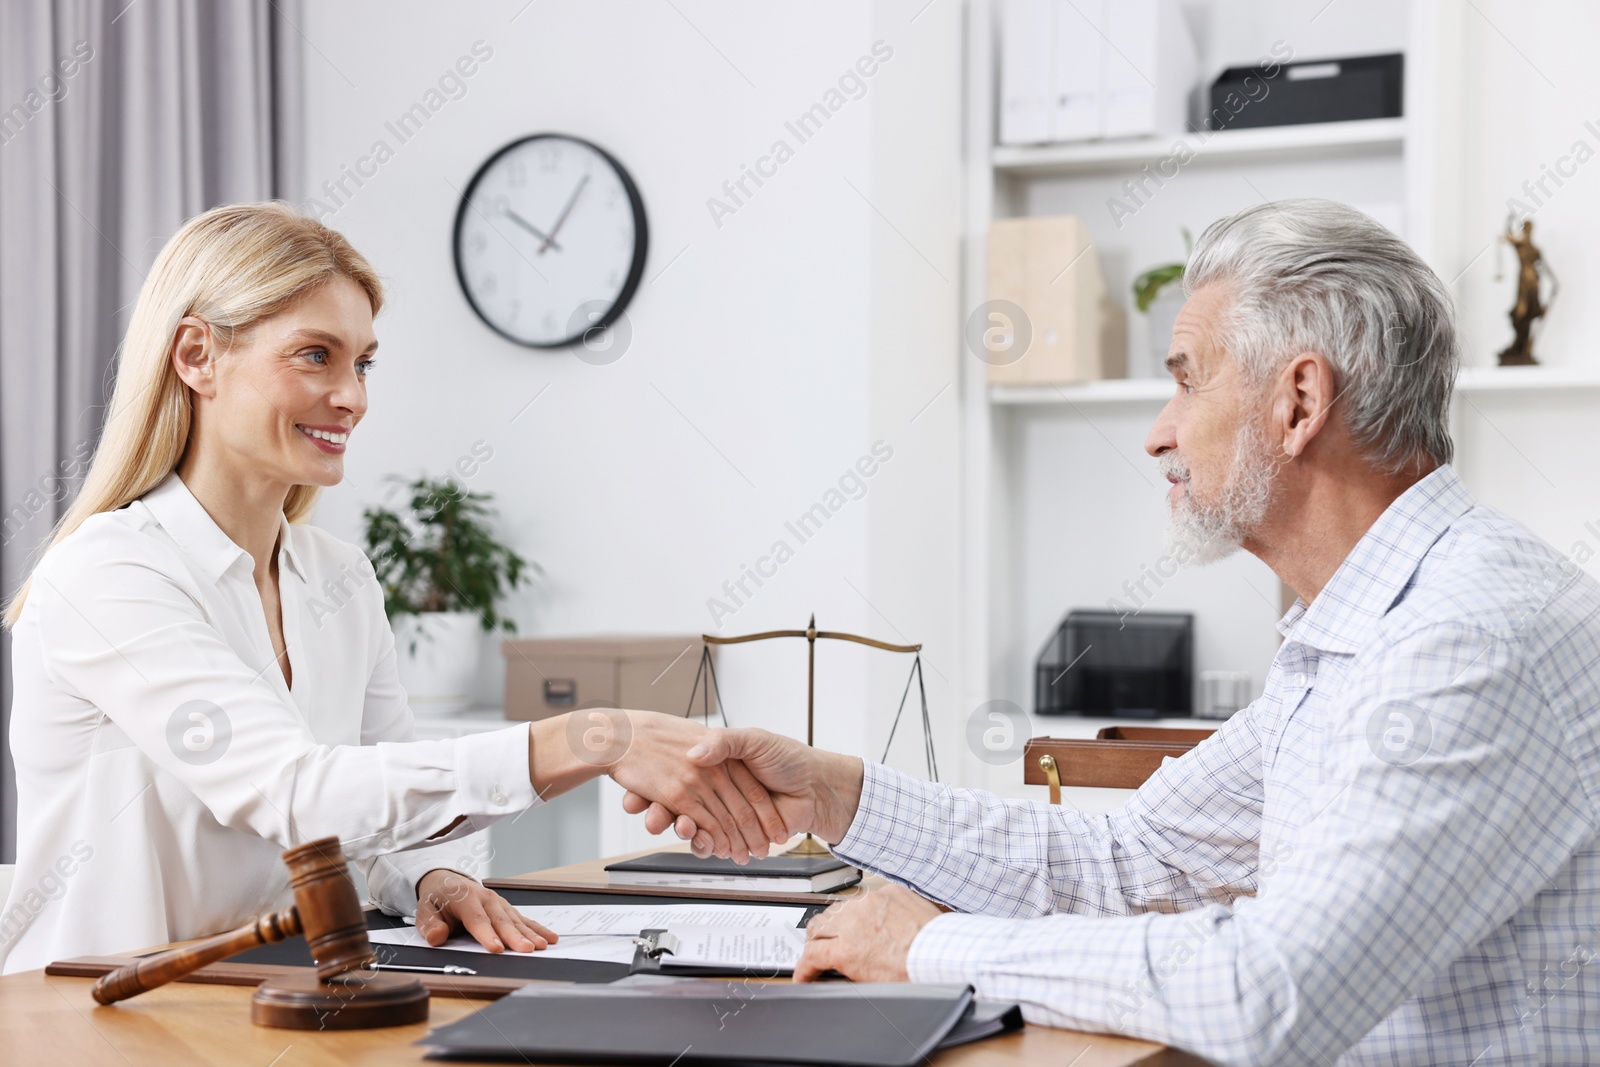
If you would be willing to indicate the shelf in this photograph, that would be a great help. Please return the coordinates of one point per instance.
(1476, 381)
(1524, 379)
(1265, 144)
(1111, 391)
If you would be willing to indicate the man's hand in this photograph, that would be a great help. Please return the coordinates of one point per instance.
(815, 791)
(448, 901)
(866, 939)
(727, 811)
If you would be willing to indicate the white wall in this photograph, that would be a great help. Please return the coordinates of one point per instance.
(767, 354)
(914, 553)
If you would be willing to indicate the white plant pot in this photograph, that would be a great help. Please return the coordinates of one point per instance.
(439, 671)
(1160, 318)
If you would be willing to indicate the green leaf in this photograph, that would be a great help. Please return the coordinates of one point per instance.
(1147, 285)
(440, 553)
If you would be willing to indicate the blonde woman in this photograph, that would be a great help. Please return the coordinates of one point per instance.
(180, 717)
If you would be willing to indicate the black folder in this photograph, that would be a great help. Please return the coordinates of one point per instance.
(689, 1021)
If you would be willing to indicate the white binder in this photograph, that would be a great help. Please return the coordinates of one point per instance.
(1080, 70)
(1026, 71)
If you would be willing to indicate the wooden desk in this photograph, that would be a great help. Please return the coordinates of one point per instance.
(54, 1020)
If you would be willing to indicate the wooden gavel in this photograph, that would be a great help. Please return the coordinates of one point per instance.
(347, 991)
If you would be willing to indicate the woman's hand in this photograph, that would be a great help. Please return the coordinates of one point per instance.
(814, 791)
(647, 752)
(448, 901)
(733, 814)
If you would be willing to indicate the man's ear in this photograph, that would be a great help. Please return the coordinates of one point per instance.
(193, 356)
(1305, 394)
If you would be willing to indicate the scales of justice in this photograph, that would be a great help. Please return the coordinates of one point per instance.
(705, 686)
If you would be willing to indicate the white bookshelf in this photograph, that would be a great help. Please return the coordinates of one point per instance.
(1062, 504)
(1112, 391)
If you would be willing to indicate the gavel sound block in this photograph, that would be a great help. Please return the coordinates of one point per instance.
(346, 993)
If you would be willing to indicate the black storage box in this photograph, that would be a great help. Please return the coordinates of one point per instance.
(1106, 663)
(1326, 90)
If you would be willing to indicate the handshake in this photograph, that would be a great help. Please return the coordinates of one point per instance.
(730, 793)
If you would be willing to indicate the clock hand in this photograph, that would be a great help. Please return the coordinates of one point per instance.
(573, 199)
(531, 228)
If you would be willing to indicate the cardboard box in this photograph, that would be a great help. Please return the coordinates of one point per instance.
(1069, 329)
(548, 676)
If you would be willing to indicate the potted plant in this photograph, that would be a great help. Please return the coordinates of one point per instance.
(442, 571)
(1159, 300)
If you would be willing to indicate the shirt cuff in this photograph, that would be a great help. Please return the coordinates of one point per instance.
(392, 879)
(884, 792)
(492, 777)
(962, 948)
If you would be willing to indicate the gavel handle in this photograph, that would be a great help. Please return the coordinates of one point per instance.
(169, 966)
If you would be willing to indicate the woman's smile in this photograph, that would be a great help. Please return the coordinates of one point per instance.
(328, 438)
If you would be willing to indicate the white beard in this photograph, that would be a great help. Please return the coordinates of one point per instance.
(1206, 533)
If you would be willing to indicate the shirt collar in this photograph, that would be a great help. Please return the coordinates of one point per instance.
(1380, 567)
(197, 533)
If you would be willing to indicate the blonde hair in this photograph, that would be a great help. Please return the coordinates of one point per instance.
(231, 268)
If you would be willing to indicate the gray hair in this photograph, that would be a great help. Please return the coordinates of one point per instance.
(1319, 276)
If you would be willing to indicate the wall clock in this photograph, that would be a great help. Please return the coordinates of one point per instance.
(550, 240)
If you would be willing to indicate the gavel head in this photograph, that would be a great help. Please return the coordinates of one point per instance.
(329, 910)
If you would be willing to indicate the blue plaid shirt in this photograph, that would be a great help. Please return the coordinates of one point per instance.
(1390, 857)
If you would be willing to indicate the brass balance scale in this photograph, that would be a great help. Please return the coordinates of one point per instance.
(705, 686)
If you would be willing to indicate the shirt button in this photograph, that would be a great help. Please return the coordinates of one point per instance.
(1300, 678)
(498, 796)
(386, 842)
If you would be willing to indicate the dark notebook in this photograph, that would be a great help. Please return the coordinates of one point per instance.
(647, 1019)
(801, 874)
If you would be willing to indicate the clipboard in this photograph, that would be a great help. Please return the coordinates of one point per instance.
(653, 954)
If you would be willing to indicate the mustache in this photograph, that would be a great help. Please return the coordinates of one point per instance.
(1173, 466)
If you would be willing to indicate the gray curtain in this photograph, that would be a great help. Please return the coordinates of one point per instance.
(118, 121)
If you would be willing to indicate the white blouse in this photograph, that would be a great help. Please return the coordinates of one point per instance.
(163, 764)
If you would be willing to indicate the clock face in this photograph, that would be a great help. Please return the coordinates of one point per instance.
(550, 240)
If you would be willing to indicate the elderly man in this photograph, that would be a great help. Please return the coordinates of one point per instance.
(1390, 857)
